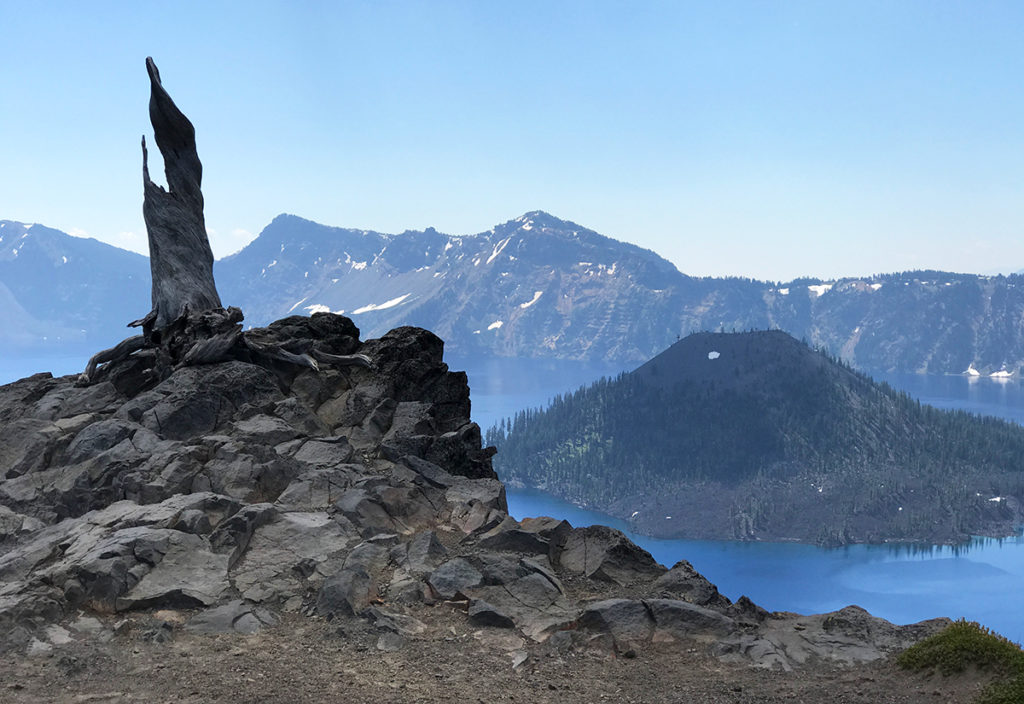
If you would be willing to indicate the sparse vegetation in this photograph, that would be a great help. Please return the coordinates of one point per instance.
(966, 644)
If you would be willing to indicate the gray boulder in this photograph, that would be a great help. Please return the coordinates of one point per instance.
(290, 554)
(627, 620)
(346, 593)
(422, 554)
(535, 603)
(481, 613)
(679, 620)
(236, 616)
(318, 489)
(454, 578)
(686, 583)
(606, 554)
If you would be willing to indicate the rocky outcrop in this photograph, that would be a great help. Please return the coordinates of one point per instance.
(232, 493)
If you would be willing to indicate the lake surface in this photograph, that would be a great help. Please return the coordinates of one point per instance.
(982, 581)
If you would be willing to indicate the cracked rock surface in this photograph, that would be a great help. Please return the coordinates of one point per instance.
(230, 498)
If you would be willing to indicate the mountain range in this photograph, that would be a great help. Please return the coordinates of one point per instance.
(66, 295)
(535, 286)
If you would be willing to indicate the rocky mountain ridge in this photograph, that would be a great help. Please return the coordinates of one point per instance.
(228, 495)
(535, 286)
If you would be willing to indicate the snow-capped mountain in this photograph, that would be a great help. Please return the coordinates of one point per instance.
(539, 286)
(59, 292)
(535, 286)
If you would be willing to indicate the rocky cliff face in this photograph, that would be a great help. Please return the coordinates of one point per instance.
(231, 493)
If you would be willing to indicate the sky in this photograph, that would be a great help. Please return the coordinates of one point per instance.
(761, 139)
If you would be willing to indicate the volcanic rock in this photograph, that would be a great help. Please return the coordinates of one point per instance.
(233, 492)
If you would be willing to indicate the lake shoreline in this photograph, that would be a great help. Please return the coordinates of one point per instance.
(901, 582)
(709, 520)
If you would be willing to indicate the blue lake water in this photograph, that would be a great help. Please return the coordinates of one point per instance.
(982, 581)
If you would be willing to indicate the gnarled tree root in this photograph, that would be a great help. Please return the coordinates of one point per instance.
(120, 351)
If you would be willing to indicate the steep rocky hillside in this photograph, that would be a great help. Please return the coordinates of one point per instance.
(756, 436)
(536, 286)
(230, 498)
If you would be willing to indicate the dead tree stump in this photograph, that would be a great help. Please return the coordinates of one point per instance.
(187, 324)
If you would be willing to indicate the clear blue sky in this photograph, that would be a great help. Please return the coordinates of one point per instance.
(765, 139)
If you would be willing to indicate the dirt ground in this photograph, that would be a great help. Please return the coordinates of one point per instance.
(309, 660)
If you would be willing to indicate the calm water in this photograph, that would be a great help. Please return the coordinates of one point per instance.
(982, 581)
(500, 387)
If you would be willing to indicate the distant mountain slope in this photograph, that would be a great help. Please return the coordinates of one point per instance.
(535, 286)
(538, 286)
(756, 436)
(59, 291)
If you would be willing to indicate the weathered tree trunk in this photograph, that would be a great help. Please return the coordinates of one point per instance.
(187, 324)
(180, 258)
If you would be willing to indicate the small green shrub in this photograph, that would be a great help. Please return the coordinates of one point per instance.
(1006, 692)
(966, 643)
(961, 644)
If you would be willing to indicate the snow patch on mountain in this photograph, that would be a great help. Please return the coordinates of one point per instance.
(497, 249)
(536, 297)
(381, 306)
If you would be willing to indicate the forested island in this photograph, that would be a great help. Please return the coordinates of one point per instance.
(756, 436)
